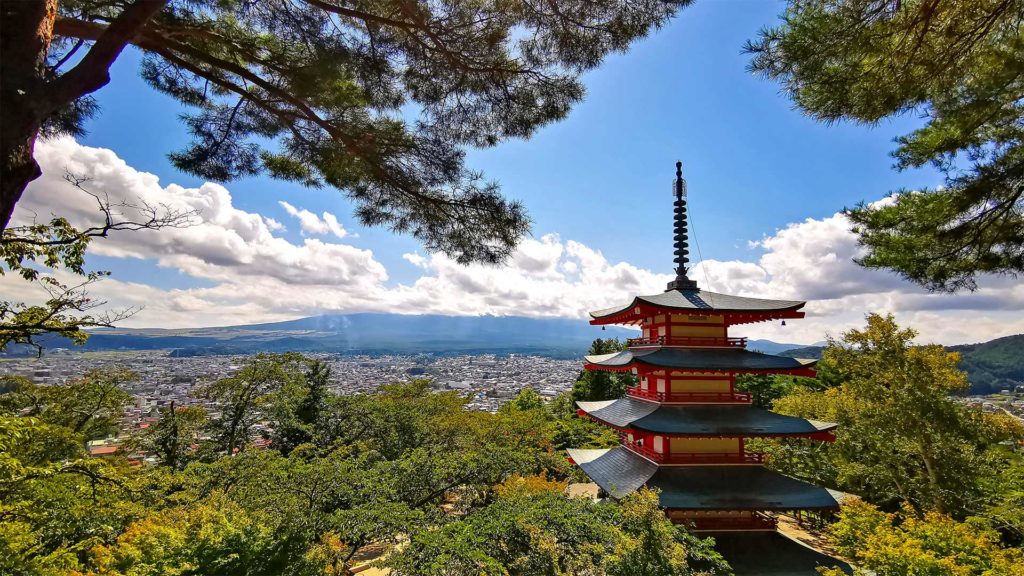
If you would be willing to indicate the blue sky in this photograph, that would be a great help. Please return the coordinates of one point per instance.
(766, 184)
(603, 175)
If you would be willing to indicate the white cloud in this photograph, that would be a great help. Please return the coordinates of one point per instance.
(254, 276)
(226, 243)
(314, 224)
(273, 225)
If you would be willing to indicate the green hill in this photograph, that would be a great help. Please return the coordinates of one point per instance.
(994, 365)
(991, 366)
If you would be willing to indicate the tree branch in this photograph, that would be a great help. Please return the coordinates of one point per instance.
(93, 72)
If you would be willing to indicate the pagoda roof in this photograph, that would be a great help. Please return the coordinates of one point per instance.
(702, 301)
(762, 553)
(620, 471)
(701, 420)
(709, 359)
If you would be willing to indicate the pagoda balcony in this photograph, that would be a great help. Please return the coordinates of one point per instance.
(717, 397)
(695, 457)
(689, 341)
(755, 521)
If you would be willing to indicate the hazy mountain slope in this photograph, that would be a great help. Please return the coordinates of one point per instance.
(803, 352)
(363, 333)
(994, 365)
(991, 366)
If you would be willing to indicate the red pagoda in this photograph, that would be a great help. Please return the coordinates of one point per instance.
(684, 427)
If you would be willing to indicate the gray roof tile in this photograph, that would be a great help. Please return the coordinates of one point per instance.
(705, 301)
(700, 420)
(619, 472)
(700, 358)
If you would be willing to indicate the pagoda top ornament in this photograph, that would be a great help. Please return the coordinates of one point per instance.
(683, 296)
(682, 253)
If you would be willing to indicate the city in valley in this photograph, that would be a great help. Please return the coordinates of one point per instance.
(488, 380)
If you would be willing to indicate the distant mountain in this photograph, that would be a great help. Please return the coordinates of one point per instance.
(803, 352)
(363, 334)
(991, 366)
(769, 347)
(994, 365)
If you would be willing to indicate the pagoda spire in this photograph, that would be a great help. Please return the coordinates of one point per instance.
(682, 282)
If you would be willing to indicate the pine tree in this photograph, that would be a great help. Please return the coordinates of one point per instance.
(960, 65)
(323, 92)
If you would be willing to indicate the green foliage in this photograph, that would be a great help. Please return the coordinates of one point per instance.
(993, 366)
(542, 532)
(213, 537)
(55, 502)
(173, 436)
(1002, 503)
(990, 366)
(765, 389)
(901, 438)
(89, 406)
(263, 380)
(449, 491)
(314, 91)
(298, 408)
(600, 385)
(527, 399)
(958, 64)
(906, 545)
(561, 425)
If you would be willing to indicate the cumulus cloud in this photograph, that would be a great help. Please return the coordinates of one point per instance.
(273, 225)
(225, 244)
(253, 275)
(310, 222)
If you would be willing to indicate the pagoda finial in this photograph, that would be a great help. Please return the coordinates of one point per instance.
(682, 254)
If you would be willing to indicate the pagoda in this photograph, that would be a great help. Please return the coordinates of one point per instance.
(684, 427)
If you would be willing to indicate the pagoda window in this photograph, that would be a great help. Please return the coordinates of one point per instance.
(661, 331)
(659, 444)
(661, 385)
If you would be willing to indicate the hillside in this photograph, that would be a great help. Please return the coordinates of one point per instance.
(994, 365)
(803, 352)
(991, 366)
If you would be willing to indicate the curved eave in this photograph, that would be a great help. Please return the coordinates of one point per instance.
(701, 360)
(619, 472)
(805, 372)
(702, 421)
(752, 309)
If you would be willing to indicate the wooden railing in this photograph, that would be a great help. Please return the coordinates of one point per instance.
(697, 341)
(755, 521)
(695, 457)
(730, 397)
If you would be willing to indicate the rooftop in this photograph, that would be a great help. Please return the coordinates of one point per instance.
(702, 301)
(700, 420)
(619, 472)
(771, 554)
(709, 359)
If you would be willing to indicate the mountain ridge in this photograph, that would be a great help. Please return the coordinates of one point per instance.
(370, 333)
(990, 366)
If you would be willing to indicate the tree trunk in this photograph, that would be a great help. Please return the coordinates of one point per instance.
(26, 29)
